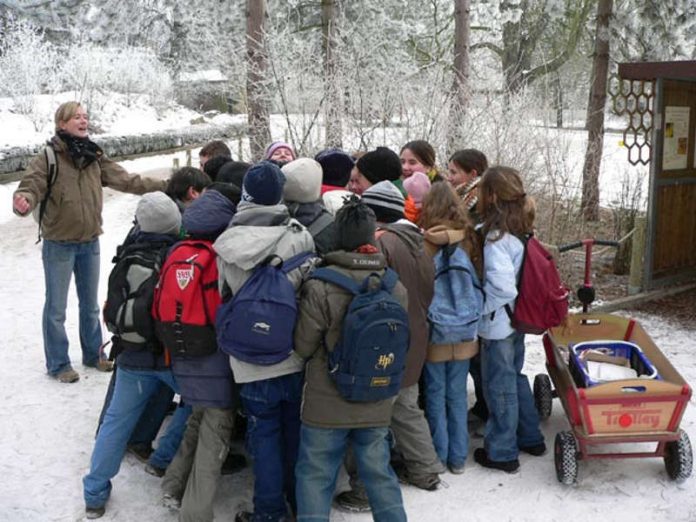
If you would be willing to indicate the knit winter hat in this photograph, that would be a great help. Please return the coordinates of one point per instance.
(336, 166)
(278, 145)
(208, 215)
(385, 200)
(302, 180)
(229, 190)
(213, 165)
(263, 184)
(355, 225)
(379, 165)
(233, 172)
(157, 213)
(417, 185)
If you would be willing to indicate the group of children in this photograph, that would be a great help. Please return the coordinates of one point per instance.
(196, 267)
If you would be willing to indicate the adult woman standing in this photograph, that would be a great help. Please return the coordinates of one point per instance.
(70, 222)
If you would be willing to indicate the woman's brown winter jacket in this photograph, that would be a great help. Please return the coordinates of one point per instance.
(74, 207)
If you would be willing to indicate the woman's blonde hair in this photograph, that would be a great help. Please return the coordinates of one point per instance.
(442, 206)
(65, 112)
(503, 204)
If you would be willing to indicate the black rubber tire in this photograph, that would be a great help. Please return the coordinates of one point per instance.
(565, 456)
(543, 395)
(679, 458)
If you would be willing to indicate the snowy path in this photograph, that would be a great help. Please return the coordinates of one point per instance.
(47, 428)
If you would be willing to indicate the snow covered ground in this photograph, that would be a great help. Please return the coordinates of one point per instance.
(47, 428)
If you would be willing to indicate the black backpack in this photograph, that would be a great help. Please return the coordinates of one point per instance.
(130, 293)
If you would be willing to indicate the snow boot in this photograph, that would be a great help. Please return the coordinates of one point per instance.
(508, 466)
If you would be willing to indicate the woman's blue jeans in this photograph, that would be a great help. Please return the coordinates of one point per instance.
(320, 458)
(513, 421)
(60, 260)
(446, 409)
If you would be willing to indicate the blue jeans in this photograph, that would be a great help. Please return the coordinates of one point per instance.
(168, 443)
(131, 395)
(320, 458)
(150, 422)
(446, 409)
(60, 261)
(513, 421)
(273, 435)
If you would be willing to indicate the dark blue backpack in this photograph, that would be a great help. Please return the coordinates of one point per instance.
(256, 325)
(368, 362)
(457, 302)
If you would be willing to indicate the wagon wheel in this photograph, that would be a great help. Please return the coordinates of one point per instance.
(679, 458)
(543, 395)
(565, 456)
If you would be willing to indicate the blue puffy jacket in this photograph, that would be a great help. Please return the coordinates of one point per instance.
(206, 381)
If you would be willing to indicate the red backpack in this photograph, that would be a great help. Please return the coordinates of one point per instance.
(542, 300)
(186, 300)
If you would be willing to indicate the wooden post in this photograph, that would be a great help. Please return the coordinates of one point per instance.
(240, 149)
(175, 163)
(188, 157)
(635, 278)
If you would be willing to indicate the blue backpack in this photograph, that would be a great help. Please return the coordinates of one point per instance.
(256, 325)
(368, 362)
(458, 298)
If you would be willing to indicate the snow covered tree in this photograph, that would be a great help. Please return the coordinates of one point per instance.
(531, 38)
(460, 83)
(257, 66)
(595, 112)
(29, 66)
(333, 94)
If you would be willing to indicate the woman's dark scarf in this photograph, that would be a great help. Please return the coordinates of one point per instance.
(83, 151)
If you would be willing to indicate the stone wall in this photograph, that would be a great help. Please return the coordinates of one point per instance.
(16, 159)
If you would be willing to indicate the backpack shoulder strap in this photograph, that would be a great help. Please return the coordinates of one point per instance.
(336, 278)
(319, 224)
(525, 243)
(389, 280)
(52, 173)
(296, 261)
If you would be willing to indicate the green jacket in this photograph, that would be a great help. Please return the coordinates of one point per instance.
(74, 208)
(321, 312)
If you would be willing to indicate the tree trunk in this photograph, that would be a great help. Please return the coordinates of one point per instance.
(595, 114)
(333, 93)
(460, 84)
(257, 66)
(558, 99)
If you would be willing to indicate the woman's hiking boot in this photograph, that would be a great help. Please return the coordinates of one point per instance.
(67, 376)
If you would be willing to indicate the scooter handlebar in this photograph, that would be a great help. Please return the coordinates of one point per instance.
(578, 244)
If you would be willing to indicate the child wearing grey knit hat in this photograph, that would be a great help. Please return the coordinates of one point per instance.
(386, 201)
(157, 213)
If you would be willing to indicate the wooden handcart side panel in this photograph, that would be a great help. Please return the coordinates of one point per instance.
(668, 372)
